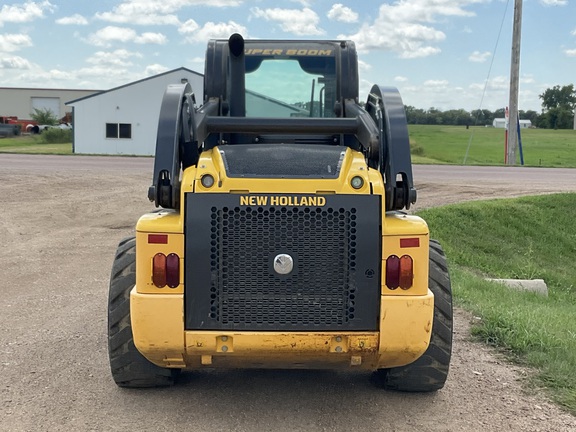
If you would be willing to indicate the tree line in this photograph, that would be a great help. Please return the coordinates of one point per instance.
(558, 105)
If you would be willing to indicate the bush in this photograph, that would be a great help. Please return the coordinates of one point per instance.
(44, 116)
(56, 136)
(416, 149)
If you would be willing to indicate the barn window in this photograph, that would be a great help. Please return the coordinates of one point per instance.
(118, 130)
(111, 130)
(125, 130)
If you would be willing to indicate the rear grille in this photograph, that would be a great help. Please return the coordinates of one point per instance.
(246, 290)
(333, 284)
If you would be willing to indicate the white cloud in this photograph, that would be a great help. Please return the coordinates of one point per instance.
(479, 57)
(26, 12)
(15, 63)
(75, 19)
(98, 71)
(14, 42)
(155, 69)
(554, 2)
(212, 30)
(570, 52)
(339, 12)
(154, 12)
(59, 75)
(409, 27)
(400, 78)
(107, 35)
(299, 22)
(188, 27)
(527, 79)
(363, 66)
(500, 82)
(151, 38)
(436, 84)
(119, 57)
(145, 19)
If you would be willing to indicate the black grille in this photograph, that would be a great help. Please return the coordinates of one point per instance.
(334, 283)
(246, 289)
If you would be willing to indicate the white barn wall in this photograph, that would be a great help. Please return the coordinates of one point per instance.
(137, 104)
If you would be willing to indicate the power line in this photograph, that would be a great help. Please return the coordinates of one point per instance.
(487, 78)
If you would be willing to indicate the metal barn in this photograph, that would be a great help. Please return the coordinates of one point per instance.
(124, 120)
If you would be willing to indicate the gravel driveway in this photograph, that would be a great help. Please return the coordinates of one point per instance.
(62, 218)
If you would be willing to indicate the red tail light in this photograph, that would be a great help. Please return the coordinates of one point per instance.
(399, 272)
(406, 272)
(393, 272)
(172, 270)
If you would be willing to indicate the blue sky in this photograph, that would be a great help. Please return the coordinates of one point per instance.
(437, 52)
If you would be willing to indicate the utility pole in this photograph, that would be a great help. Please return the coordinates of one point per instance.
(514, 80)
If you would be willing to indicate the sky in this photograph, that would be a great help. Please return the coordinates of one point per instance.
(446, 54)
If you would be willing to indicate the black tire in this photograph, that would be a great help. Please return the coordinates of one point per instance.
(430, 371)
(129, 367)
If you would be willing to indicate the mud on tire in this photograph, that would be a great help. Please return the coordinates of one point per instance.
(430, 371)
(129, 367)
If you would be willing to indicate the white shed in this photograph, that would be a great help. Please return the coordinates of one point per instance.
(501, 123)
(124, 120)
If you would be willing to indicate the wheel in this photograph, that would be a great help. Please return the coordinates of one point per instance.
(129, 367)
(430, 371)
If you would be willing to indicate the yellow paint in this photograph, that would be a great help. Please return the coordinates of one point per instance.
(211, 162)
(158, 313)
(158, 328)
(405, 328)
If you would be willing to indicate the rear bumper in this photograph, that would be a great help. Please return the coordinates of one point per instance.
(403, 336)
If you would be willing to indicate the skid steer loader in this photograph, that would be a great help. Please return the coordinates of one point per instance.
(281, 239)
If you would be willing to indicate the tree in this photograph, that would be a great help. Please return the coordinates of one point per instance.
(558, 104)
(482, 117)
(44, 116)
(559, 97)
(531, 115)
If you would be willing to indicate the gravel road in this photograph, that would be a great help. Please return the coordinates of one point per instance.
(61, 221)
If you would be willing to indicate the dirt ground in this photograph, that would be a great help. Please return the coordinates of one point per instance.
(61, 220)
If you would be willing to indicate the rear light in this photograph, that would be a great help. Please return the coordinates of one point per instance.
(172, 270)
(159, 270)
(158, 238)
(166, 270)
(406, 272)
(399, 272)
(393, 272)
(410, 242)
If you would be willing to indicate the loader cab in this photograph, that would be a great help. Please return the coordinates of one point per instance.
(285, 78)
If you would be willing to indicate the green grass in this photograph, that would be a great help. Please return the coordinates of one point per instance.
(32, 144)
(485, 145)
(530, 237)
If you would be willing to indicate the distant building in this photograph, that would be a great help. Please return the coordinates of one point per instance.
(20, 102)
(501, 123)
(124, 120)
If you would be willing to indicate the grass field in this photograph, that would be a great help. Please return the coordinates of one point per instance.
(531, 237)
(430, 145)
(485, 146)
(32, 144)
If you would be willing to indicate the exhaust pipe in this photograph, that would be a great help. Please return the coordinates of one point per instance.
(236, 79)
